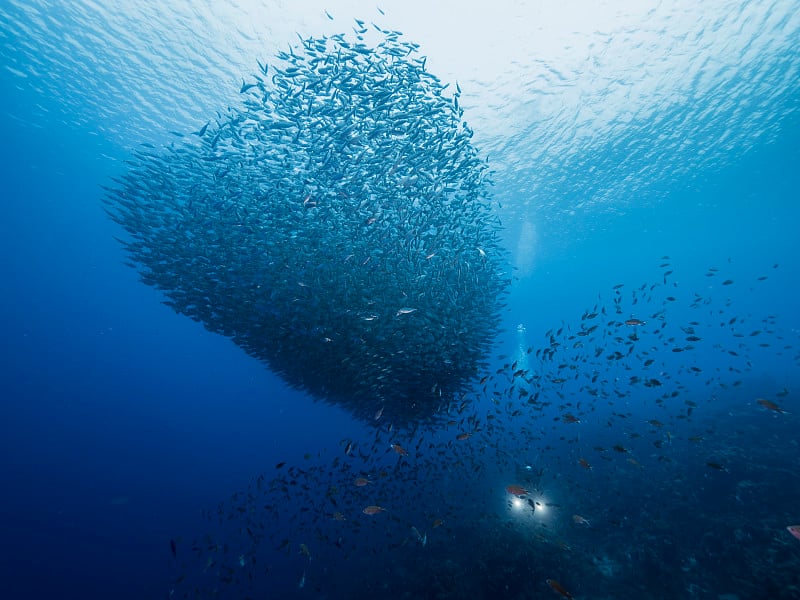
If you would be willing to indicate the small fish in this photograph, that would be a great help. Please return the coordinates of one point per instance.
(405, 311)
(584, 463)
(202, 130)
(634, 322)
(302, 583)
(379, 414)
(362, 481)
(173, 548)
(579, 520)
(516, 490)
(558, 588)
(304, 550)
(399, 449)
(463, 436)
(422, 539)
(437, 523)
(794, 530)
(716, 466)
(771, 406)
(570, 418)
(337, 516)
(372, 509)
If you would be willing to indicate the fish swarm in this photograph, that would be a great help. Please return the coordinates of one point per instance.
(337, 225)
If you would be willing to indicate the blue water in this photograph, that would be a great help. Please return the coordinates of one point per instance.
(123, 425)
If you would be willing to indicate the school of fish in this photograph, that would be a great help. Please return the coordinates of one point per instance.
(337, 225)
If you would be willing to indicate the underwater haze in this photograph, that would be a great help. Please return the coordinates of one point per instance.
(400, 300)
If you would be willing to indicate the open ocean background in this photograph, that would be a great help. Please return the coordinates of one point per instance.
(626, 139)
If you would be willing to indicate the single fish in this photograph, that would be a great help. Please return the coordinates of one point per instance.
(246, 86)
(516, 490)
(373, 510)
(202, 130)
(579, 520)
(558, 588)
(794, 530)
(769, 405)
(305, 551)
(399, 449)
(422, 539)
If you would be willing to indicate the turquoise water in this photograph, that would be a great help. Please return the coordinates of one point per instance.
(644, 161)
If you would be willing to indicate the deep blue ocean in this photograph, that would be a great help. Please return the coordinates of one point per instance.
(633, 432)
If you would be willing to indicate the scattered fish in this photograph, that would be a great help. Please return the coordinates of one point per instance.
(525, 407)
